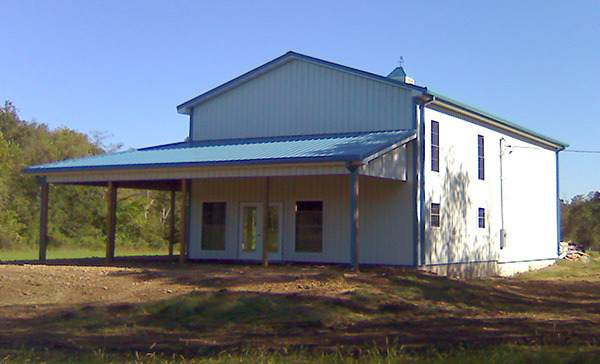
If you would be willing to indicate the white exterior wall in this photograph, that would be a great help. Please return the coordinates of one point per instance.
(302, 97)
(393, 165)
(384, 204)
(386, 216)
(530, 211)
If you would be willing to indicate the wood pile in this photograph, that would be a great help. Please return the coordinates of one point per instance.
(572, 251)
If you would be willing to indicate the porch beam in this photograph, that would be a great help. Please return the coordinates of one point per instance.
(111, 221)
(265, 227)
(44, 192)
(185, 187)
(354, 212)
(172, 224)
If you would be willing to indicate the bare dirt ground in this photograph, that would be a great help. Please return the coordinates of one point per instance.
(153, 306)
(25, 286)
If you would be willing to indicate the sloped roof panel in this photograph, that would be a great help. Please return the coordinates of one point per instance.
(318, 148)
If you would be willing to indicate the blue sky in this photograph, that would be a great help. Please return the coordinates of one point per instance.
(122, 66)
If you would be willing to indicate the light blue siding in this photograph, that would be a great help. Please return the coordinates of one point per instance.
(301, 97)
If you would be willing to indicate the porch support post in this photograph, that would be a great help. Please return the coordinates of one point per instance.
(185, 187)
(172, 224)
(265, 253)
(44, 190)
(354, 243)
(111, 221)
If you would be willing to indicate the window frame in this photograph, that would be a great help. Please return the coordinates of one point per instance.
(481, 157)
(204, 225)
(435, 216)
(435, 146)
(300, 246)
(481, 218)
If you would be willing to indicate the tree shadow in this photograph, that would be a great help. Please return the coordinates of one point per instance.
(453, 248)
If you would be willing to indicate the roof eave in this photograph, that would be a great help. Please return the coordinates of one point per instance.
(446, 102)
(257, 162)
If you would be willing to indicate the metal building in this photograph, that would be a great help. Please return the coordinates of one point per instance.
(354, 167)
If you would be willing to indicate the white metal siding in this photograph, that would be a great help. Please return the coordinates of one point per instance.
(386, 222)
(301, 97)
(333, 191)
(529, 196)
(392, 165)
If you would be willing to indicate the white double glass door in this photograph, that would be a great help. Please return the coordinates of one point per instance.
(251, 239)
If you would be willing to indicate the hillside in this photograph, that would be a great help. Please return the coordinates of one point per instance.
(77, 213)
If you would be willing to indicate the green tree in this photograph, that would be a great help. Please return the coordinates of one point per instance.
(580, 220)
(77, 214)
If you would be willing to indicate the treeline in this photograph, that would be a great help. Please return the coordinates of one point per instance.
(77, 214)
(580, 220)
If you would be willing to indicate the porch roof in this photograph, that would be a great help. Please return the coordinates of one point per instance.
(354, 148)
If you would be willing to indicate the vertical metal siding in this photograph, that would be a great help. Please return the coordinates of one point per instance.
(386, 228)
(283, 189)
(529, 196)
(304, 98)
(392, 165)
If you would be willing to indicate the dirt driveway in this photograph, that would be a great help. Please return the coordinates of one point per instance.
(202, 308)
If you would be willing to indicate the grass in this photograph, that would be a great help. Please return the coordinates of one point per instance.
(567, 270)
(16, 255)
(387, 354)
(395, 316)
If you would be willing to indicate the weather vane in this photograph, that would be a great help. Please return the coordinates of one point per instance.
(401, 61)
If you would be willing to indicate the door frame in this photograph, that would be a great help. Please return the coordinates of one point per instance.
(257, 253)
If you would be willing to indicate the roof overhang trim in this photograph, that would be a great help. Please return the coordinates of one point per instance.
(443, 102)
(358, 148)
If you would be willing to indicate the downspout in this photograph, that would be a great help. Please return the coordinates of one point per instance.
(558, 222)
(502, 230)
(419, 252)
(191, 134)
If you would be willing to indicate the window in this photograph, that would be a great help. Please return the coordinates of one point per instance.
(480, 157)
(309, 226)
(435, 146)
(481, 218)
(435, 215)
(213, 226)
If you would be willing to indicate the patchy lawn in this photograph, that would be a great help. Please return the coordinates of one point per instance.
(159, 311)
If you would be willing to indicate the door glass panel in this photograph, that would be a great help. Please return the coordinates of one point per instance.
(272, 240)
(249, 233)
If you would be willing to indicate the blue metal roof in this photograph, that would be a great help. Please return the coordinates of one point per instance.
(300, 149)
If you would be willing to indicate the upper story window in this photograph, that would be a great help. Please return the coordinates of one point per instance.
(480, 157)
(435, 146)
(481, 218)
(435, 215)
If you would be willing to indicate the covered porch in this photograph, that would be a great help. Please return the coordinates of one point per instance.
(224, 186)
